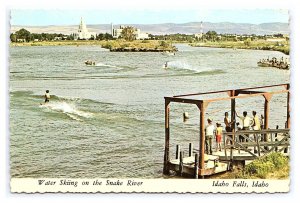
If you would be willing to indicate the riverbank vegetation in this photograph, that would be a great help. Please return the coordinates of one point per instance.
(247, 44)
(128, 42)
(272, 166)
(139, 46)
(112, 45)
(125, 43)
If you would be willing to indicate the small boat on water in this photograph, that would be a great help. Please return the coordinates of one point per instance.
(90, 63)
(280, 64)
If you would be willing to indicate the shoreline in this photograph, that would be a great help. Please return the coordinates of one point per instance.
(238, 45)
(148, 45)
(111, 45)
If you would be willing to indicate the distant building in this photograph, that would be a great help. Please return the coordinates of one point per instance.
(116, 33)
(83, 32)
(21, 40)
(57, 38)
(199, 35)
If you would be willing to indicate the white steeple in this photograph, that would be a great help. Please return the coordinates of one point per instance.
(201, 28)
(83, 32)
(82, 26)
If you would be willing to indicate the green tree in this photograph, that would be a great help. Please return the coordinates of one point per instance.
(71, 36)
(128, 33)
(211, 35)
(23, 34)
(13, 37)
(108, 36)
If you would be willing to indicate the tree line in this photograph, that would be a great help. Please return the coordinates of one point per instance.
(24, 35)
(213, 36)
(129, 34)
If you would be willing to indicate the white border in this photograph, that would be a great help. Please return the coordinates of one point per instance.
(6, 196)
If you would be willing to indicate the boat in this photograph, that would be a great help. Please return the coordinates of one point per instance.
(90, 63)
(280, 64)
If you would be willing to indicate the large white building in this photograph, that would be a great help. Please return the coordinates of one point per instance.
(116, 33)
(83, 32)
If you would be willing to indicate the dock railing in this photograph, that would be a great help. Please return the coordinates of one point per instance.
(262, 142)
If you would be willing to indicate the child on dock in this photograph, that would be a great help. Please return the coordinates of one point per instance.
(219, 136)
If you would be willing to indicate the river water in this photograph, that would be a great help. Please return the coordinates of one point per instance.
(107, 120)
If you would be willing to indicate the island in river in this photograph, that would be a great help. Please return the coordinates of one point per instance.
(118, 45)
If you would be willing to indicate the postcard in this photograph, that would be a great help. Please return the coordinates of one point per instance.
(149, 101)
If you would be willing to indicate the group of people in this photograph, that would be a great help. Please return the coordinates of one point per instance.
(247, 122)
(274, 62)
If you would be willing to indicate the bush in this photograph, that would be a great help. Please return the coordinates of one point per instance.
(164, 44)
(263, 167)
(247, 42)
(260, 169)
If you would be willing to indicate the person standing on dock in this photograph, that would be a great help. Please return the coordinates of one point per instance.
(247, 122)
(219, 136)
(228, 126)
(256, 126)
(228, 123)
(209, 134)
(256, 121)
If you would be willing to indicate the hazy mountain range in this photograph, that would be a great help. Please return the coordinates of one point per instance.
(170, 28)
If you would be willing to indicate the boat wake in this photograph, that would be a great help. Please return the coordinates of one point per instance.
(68, 108)
(105, 65)
(184, 66)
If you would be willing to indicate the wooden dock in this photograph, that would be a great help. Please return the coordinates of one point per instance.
(254, 143)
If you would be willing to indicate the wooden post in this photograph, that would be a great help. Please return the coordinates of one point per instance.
(232, 93)
(190, 149)
(177, 151)
(225, 148)
(196, 169)
(231, 154)
(258, 145)
(267, 97)
(276, 140)
(288, 125)
(202, 137)
(181, 163)
(167, 138)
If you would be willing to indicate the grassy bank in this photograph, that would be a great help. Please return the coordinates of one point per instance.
(273, 166)
(58, 43)
(256, 45)
(138, 46)
(112, 45)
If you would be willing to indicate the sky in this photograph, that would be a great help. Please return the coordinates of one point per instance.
(39, 17)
